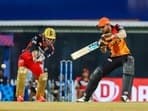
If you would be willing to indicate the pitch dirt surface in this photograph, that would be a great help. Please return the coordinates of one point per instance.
(72, 106)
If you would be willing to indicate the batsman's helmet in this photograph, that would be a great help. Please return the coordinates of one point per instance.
(103, 21)
(49, 33)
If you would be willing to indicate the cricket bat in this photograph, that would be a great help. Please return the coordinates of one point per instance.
(85, 50)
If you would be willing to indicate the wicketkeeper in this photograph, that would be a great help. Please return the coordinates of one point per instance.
(112, 41)
(40, 47)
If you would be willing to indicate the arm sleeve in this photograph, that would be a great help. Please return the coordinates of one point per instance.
(34, 43)
(121, 32)
(50, 51)
(37, 44)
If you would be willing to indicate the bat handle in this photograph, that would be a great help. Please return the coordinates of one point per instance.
(99, 42)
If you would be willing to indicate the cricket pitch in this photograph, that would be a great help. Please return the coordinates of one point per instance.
(73, 106)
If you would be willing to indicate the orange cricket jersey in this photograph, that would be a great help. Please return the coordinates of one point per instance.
(120, 47)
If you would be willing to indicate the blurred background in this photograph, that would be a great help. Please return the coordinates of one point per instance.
(75, 23)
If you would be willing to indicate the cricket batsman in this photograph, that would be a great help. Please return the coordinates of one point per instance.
(112, 41)
(32, 58)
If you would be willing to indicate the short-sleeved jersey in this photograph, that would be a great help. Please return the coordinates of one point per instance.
(117, 46)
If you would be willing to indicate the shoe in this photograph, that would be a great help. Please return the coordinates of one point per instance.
(125, 98)
(82, 99)
(20, 99)
(41, 99)
(33, 98)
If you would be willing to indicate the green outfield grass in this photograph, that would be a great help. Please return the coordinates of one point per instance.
(72, 106)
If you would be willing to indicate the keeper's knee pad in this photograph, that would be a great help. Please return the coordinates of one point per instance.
(42, 81)
(21, 80)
